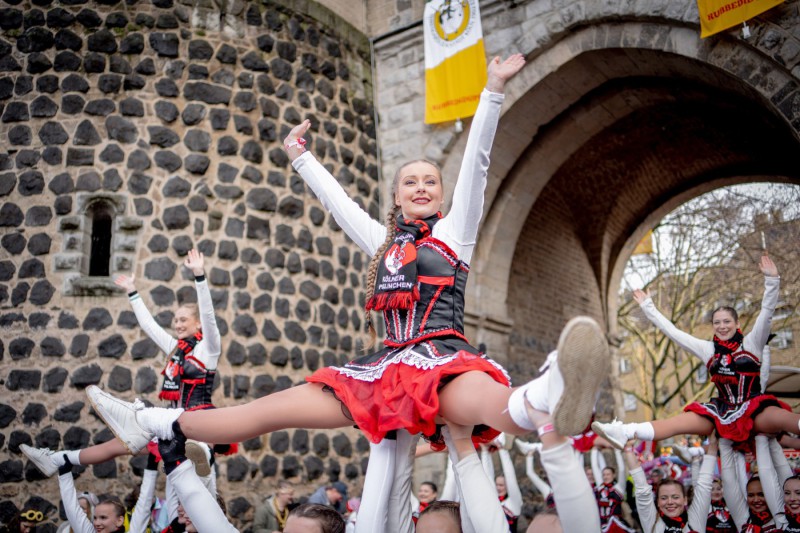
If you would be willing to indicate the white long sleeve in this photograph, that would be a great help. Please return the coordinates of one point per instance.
(514, 501)
(140, 517)
(597, 469)
(700, 348)
(458, 229)
(449, 491)
(487, 463)
(622, 474)
(378, 482)
(732, 485)
(367, 233)
(198, 503)
(75, 516)
(166, 342)
(400, 508)
(770, 482)
(478, 494)
(755, 341)
(572, 492)
(460, 226)
(701, 501)
(645, 502)
(538, 483)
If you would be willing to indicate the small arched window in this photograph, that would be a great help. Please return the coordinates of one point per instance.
(101, 216)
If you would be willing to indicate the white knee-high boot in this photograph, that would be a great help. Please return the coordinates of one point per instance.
(199, 504)
(571, 489)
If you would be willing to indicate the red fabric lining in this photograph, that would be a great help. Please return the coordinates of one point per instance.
(437, 280)
(430, 308)
(742, 429)
(404, 397)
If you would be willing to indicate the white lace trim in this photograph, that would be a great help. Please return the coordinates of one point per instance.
(421, 356)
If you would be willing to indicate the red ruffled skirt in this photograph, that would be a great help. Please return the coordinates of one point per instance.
(398, 388)
(735, 421)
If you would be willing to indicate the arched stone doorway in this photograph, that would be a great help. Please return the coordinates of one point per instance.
(591, 152)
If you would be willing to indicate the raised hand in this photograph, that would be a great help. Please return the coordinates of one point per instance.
(499, 71)
(293, 143)
(126, 282)
(768, 267)
(640, 296)
(195, 262)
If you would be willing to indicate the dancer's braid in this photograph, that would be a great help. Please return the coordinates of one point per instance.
(372, 271)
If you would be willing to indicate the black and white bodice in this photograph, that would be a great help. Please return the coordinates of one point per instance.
(737, 376)
(197, 384)
(439, 312)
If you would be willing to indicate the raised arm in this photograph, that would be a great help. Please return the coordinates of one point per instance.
(759, 335)
(514, 501)
(701, 501)
(538, 483)
(366, 232)
(140, 517)
(208, 321)
(645, 503)
(732, 485)
(480, 507)
(75, 516)
(461, 224)
(164, 340)
(697, 347)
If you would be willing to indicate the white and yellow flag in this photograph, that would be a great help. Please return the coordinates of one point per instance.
(719, 15)
(455, 62)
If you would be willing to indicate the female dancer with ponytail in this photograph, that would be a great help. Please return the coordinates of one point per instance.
(734, 364)
(192, 357)
(426, 371)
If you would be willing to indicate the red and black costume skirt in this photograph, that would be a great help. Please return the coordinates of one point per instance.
(398, 388)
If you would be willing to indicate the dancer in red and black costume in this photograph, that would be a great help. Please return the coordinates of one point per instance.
(427, 372)
(609, 500)
(734, 364)
(791, 503)
(720, 519)
(192, 357)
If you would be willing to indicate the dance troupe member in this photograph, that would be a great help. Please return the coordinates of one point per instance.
(427, 371)
(188, 376)
(791, 501)
(506, 485)
(669, 512)
(734, 363)
(109, 515)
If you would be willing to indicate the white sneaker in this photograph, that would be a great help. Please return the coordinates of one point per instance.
(582, 364)
(120, 417)
(41, 457)
(528, 447)
(614, 432)
(198, 453)
(682, 452)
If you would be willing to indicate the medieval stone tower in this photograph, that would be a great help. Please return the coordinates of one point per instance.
(134, 130)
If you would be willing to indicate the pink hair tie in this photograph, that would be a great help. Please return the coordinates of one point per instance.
(547, 428)
(300, 143)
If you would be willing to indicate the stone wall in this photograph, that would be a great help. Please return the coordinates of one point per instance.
(169, 116)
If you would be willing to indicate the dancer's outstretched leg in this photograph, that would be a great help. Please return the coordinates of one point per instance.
(618, 433)
(568, 388)
(305, 406)
(48, 461)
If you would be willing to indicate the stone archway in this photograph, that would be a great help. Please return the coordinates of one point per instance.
(591, 146)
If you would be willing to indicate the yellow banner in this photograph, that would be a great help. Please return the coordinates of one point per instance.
(645, 246)
(453, 88)
(455, 62)
(719, 15)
